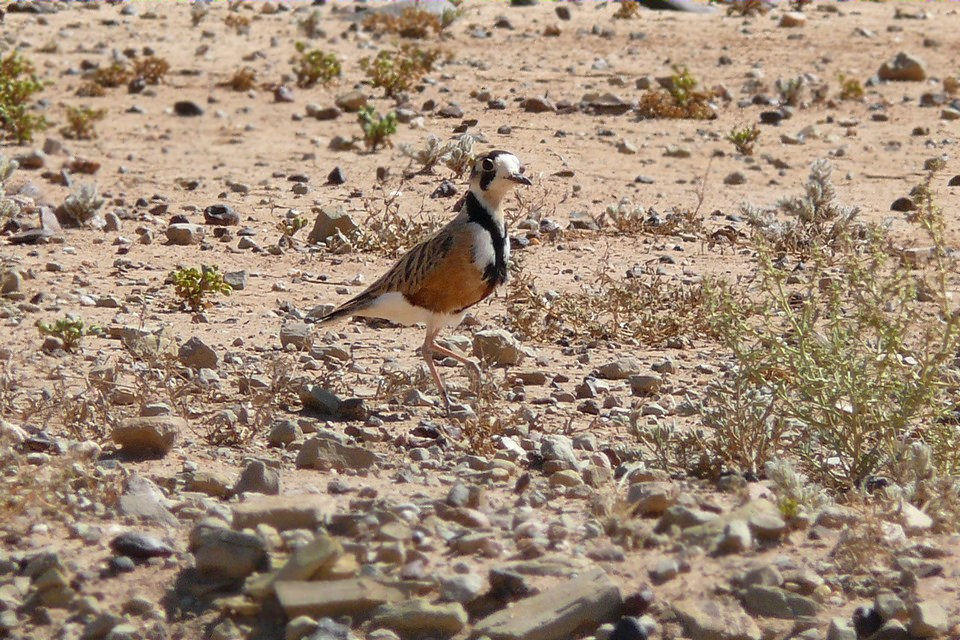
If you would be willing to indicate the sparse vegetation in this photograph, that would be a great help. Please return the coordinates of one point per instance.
(747, 8)
(850, 88)
(628, 10)
(69, 330)
(791, 90)
(91, 89)
(237, 22)
(680, 100)
(195, 287)
(243, 79)
(289, 226)
(310, 26)
(151, 69)
(412, 22)
(458, 155)
(377, 129)
(397, 71)
(82, 205)
(8, 207)
(744, 138)
(80, 122)
(18, 84)
(115, 75)
(315, 66)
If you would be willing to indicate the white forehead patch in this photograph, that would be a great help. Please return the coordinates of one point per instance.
(507, 164)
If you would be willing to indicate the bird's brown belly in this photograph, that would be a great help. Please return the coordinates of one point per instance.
(450, 290)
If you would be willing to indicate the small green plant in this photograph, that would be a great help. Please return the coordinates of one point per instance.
(397, 71)
(80, 122)
(82, 205)
(315, 66)
(69, 330)
(628, 10)
(743, 139)
(290, 226)
(680, 100)
(377, 129)
(195, 286)
(18, 83)
(850, 88)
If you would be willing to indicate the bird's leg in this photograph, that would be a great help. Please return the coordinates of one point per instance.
(428, 348)
(472, 367)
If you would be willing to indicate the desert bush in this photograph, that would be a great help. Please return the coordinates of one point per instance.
(80, 122)
(853, 360)
(69, 330)
(377, 129)
(195, 286)
(291, 225)
(198, 11)
(951, 85)
(412, 22)
(315, 66)
(237, 22)
(650, 309)
(747, 8)
(115, 75)
(743, 139)
(390, 231)
(90, 89)
(82, 205)
(814, 220)
(628, 10)
(243, 79)
(8, 207)
(151, 69)
(310, 26)
(791, 90)
(458, 155)
(850, 88)
(681, 100)
(18, 83)
(397, 71)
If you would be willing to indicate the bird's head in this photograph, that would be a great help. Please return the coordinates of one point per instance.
(494, 175)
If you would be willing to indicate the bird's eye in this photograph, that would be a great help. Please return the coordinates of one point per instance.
(487, 164)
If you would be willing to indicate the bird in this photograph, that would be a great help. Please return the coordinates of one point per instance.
(436, 281)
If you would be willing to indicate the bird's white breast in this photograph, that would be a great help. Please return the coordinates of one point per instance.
(484, 253)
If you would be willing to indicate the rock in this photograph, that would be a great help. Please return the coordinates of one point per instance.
(834, 517)
(35, 159)
(187, 109)
(645, 384)
(538, 105)
(417, 617)
(562, 11)
(928, 620)
(212, 484)
(196, 354)
(949, 113)
(736, 538)
(140, 546)
(567, 610)
(651, 498)
(336, 176)
(607, 104)
(283, 93)
(904, 67)
(689, 6)
(331, 221)
(498, 347)
(620, 369)
(323, 454)
(323, 113)
(310, 559)
(664, 569)
(707, 534)
(257, 477)
(142, 498)
(11, 282)
(767, 526)
(774, 602)
(840, 629)
(148, 436)
(299, 335)
(352, 101)
(351, 597)
(685, 518)
(461, 588)
(283, 433)
(184, 234)
(222, 552)
(793, 19)
(236, 279)
(892, 630)
(560, 448)
(584, 221)
(633, 628)
(735, 178)
(220, 214)
(914, 521)
(283, 512)
(903, 204)
(715, 620)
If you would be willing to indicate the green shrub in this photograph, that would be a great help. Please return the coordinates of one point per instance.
(315, 66)
(397, 71)
(377, 129)
(69, 330)
(680, 100)
(80, 122)
(18, 83)
(743, 139)
(850, 88)
(195, 286)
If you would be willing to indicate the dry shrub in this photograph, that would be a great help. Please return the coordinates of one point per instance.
(151, 69)
(680, 100)
(237, 22)
(747, 8)
(115, 75)
(628, 10)
(625, 218)
(387, 230)
(650, 309)
(91, 90)
(243, 79)
(412, 22)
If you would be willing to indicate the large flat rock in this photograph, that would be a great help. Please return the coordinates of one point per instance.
(571, 609)
(283, 512)
(353, 597)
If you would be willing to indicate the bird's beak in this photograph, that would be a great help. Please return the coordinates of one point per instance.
(519, 178)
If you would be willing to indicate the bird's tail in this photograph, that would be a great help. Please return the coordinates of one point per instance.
(351, 308)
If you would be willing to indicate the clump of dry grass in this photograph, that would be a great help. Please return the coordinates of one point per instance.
(243, 79)
(387, 230)
(80, 122)
(746, 8)
(681, 100)
(628, 10)
(412, 22)
(151, 69)
(240, 24)
(651, 310)
(625, 218)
